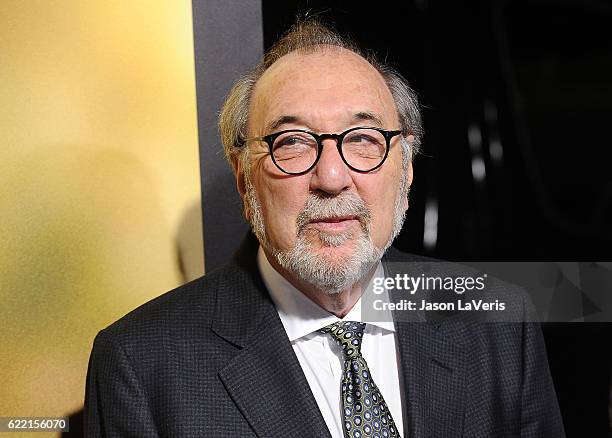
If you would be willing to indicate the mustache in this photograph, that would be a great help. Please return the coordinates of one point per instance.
(323, 206)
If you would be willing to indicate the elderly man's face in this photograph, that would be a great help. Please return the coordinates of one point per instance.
(324, 92)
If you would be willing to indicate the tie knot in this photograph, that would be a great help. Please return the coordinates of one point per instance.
(347, 334)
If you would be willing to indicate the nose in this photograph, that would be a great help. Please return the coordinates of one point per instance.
(331, 174)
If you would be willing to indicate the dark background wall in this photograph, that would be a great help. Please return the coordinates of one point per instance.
(516, 101)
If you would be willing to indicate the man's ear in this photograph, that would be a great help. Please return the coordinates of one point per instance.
(241, 184)
(406, 198)
(239, 174)
(410, 173)
(410, 139)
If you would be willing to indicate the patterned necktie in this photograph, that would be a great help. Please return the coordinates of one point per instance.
(364, 410)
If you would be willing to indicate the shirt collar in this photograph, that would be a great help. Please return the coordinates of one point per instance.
(298, 313)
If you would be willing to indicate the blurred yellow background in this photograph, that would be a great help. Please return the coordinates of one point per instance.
(99, 175)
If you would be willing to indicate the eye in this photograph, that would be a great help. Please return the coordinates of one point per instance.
(360, 137)
(296, 147)
(294, 140)
(289, 141)
(362, 146)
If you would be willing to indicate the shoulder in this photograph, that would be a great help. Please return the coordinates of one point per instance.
(474, 283)
(178, 314)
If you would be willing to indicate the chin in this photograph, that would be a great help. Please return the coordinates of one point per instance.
(330, 262)
(333, 245)
(351, 254)
(335, 256)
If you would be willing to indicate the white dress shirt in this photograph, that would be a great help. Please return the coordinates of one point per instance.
(322, 359)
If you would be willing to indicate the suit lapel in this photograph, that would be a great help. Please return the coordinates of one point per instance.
(434, 380)
(264, 379)
(433, 362)
(268, 385)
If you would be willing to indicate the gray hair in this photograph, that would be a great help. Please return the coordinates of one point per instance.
(310, 36)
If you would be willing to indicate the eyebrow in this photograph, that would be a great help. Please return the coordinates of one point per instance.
(361, 116)
(368, 117)
(280, 121)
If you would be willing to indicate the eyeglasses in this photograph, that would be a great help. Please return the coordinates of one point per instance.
(296, 151)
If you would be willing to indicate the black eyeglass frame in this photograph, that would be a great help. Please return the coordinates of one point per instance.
(269, 139)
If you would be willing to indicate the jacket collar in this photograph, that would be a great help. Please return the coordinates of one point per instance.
(264, 378)
(433, 360)
(242, 300)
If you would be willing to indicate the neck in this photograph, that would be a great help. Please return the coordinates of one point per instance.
(338, 303)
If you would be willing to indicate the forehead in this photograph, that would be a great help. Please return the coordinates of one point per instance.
(324, 90)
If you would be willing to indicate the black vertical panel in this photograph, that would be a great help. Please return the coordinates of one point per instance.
(228, 42)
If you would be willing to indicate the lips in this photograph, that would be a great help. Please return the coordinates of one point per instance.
(333, 219)
(334, 224)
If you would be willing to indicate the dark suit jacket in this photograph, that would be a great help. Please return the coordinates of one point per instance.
(212, 359)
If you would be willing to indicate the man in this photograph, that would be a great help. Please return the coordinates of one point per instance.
(321, 141)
